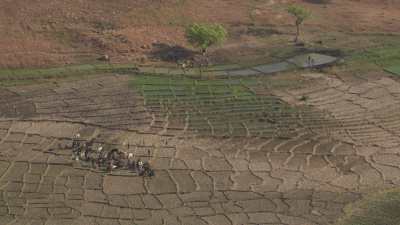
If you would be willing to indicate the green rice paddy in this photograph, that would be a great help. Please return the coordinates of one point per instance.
(220, 107)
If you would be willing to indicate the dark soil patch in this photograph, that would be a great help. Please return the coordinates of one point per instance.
(170, 53)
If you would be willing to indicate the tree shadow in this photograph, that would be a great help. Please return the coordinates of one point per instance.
(170, 53)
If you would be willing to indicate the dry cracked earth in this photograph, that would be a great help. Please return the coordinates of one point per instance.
(306, 179)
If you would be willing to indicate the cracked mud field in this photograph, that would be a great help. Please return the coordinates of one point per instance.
(345, 147)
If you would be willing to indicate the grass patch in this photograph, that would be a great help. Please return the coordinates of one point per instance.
(378, 209)
(394, 69)
(10, 77)
(385, 56)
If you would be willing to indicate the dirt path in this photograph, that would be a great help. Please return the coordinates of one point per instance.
(312, 60)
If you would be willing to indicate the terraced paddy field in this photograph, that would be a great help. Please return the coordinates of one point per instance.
(293, 149)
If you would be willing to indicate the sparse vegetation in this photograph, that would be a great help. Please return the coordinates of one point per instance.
(104, 25)
(379, 209)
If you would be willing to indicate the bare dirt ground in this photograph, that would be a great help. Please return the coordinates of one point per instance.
(301, 180)
(48, 33)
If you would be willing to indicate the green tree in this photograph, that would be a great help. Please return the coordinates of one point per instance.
(301, 14)
(205, 35)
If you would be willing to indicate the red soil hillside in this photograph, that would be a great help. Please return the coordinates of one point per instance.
(55, 32)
